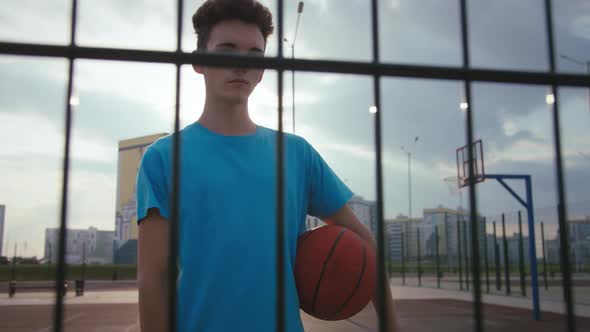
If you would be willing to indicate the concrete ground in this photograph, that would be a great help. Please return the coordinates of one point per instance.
(419, 309)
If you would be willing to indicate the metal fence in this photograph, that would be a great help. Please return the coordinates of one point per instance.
(377, 70)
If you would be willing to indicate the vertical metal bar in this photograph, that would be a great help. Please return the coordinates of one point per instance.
(561, 206)
(83, 277)
(544, 256)
(175, 195)
(61, 251)
(496, 258)
(410, 185)
(280, 322)
(437, 258)
(447, 241)
(459, 256)
(478, 312)
(532, 249)
(13, 270)
(486, 262)
(448, 249)
(12, 282)
(403, 260)
(506, 258)
(521, 256)
(381, 282)
(466, 253)
(49, 262)
(419, 268)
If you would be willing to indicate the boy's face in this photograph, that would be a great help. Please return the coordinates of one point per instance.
(234, 37)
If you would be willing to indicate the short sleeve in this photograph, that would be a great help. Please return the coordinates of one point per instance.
(151, 185)
(327, 193)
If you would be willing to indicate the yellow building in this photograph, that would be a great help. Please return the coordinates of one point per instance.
(130, 153)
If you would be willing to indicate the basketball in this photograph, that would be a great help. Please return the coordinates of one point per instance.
(335, 271)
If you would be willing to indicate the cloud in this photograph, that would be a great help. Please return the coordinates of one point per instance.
(22, 21)
(581, 27)
(32, 172)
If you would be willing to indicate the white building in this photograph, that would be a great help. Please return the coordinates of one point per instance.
(396, 231)
(95, 245)
(403, 230)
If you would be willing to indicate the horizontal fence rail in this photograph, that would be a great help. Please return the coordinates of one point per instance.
(320, 66)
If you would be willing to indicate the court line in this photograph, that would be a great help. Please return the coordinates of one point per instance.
(359, 325)
(128, 329)
(65, 321)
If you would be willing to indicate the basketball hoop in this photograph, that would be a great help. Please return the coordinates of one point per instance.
(453, 183)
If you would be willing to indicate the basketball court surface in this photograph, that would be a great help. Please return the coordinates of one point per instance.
(117, 310)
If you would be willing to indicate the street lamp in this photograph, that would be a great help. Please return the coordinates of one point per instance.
(582, 63)
(292, 45)
(409, 153)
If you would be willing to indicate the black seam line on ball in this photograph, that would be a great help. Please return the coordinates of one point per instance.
(305, 237)
(358, 283)
(317, 287)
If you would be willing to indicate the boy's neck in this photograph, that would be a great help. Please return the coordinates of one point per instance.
(227, 118)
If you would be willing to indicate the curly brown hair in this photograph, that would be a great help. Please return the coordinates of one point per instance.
(214, 11)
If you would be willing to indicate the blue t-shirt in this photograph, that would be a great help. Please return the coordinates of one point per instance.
(227, 230)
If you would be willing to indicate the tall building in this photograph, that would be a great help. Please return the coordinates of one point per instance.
(579, 229)
(2, 213)
(579, 234)
(92, 244)
(447, 220)
(397, 231)
(130, 153)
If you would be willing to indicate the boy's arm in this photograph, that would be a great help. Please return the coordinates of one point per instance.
(345, 217)
(152, 272)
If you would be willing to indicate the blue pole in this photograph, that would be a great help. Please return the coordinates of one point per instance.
(532, 249)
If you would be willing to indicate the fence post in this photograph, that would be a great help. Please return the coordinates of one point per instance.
(466, 251)
(521, 256)
(448, 249)
(544, 257)
(419, 263)
(497, 259)
(403, 260)
(459, 258)
(506, 258)
(437, 258)
(12, 283)
(485, 244)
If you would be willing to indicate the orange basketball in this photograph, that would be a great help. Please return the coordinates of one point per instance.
(335, 272)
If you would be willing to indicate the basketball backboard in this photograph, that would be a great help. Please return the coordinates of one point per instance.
(477, 164)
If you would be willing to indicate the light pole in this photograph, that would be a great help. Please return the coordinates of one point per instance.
(409, 153)
(292, 45)
(582, 63)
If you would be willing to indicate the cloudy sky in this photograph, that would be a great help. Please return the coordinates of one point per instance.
(124, 100)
